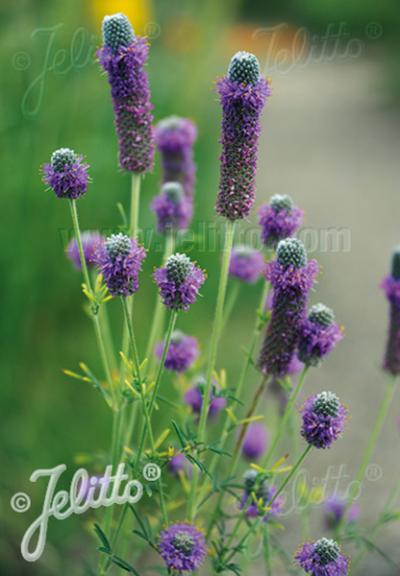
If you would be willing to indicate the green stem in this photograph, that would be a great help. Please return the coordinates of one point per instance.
(135, 203)
(103, 354)
(95, 316)
(156, 328)
(133, 231)
(390, 502)
(267, 551)
(372, 441)
(215, 336)
(238, 391)
(230, 304)
(291, 474)
(159, 314)
(160, 372)
(105, 322)
(145, 407)
(284, 420)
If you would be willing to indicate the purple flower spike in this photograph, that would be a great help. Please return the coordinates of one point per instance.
(255, 442)
(256, 497)
(123, 56)
(279, 219)
(323, 419)
(319, 334)
(174, 139)
(66, 174)
(182, 352)
(335, 507)
(172, 208)
(292, 277)
(91, 242)
(120, 261)
(243, 93)
(247, 264)
(391, 287)
(182, 547)
(179, 282)
(194, 398)
(322, 558)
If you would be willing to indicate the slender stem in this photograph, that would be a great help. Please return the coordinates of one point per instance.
(103, 354)
(372, 440)
(237, 453)
(284, 420)
(290, 475)
(145, 407)
(95, 316)
(267, 551)
(215, 336)
(135, 203)
(230, 304)
(390, 502)
(105, 323)
(133, 231)
(249, 414)
(243, 373)
(132, 339)
(77, 230)
(156, 328)
(238, 391)
(160, 372)
(159, 314)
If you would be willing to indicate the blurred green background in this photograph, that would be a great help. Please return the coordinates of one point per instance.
(53, 94)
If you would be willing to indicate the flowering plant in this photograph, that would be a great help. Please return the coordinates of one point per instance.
(216, 450)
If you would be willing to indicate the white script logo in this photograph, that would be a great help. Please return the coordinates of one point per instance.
(85, 492)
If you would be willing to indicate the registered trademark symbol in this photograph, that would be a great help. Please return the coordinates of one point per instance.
(373, 473)
(374, 30)
(151, 472)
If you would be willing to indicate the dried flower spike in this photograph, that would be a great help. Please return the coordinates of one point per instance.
(322, 558)
(323, 419)
(246, 264)
(182, 352)
(179, 282)
(292, 276)
(182, 547)
(175, 138)
(172, 208)
(319, 334)
(243, 92)
(279, 219)
(91, 242)
(120, 260)
(66, 174)
(391, 287)
(123, 56)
